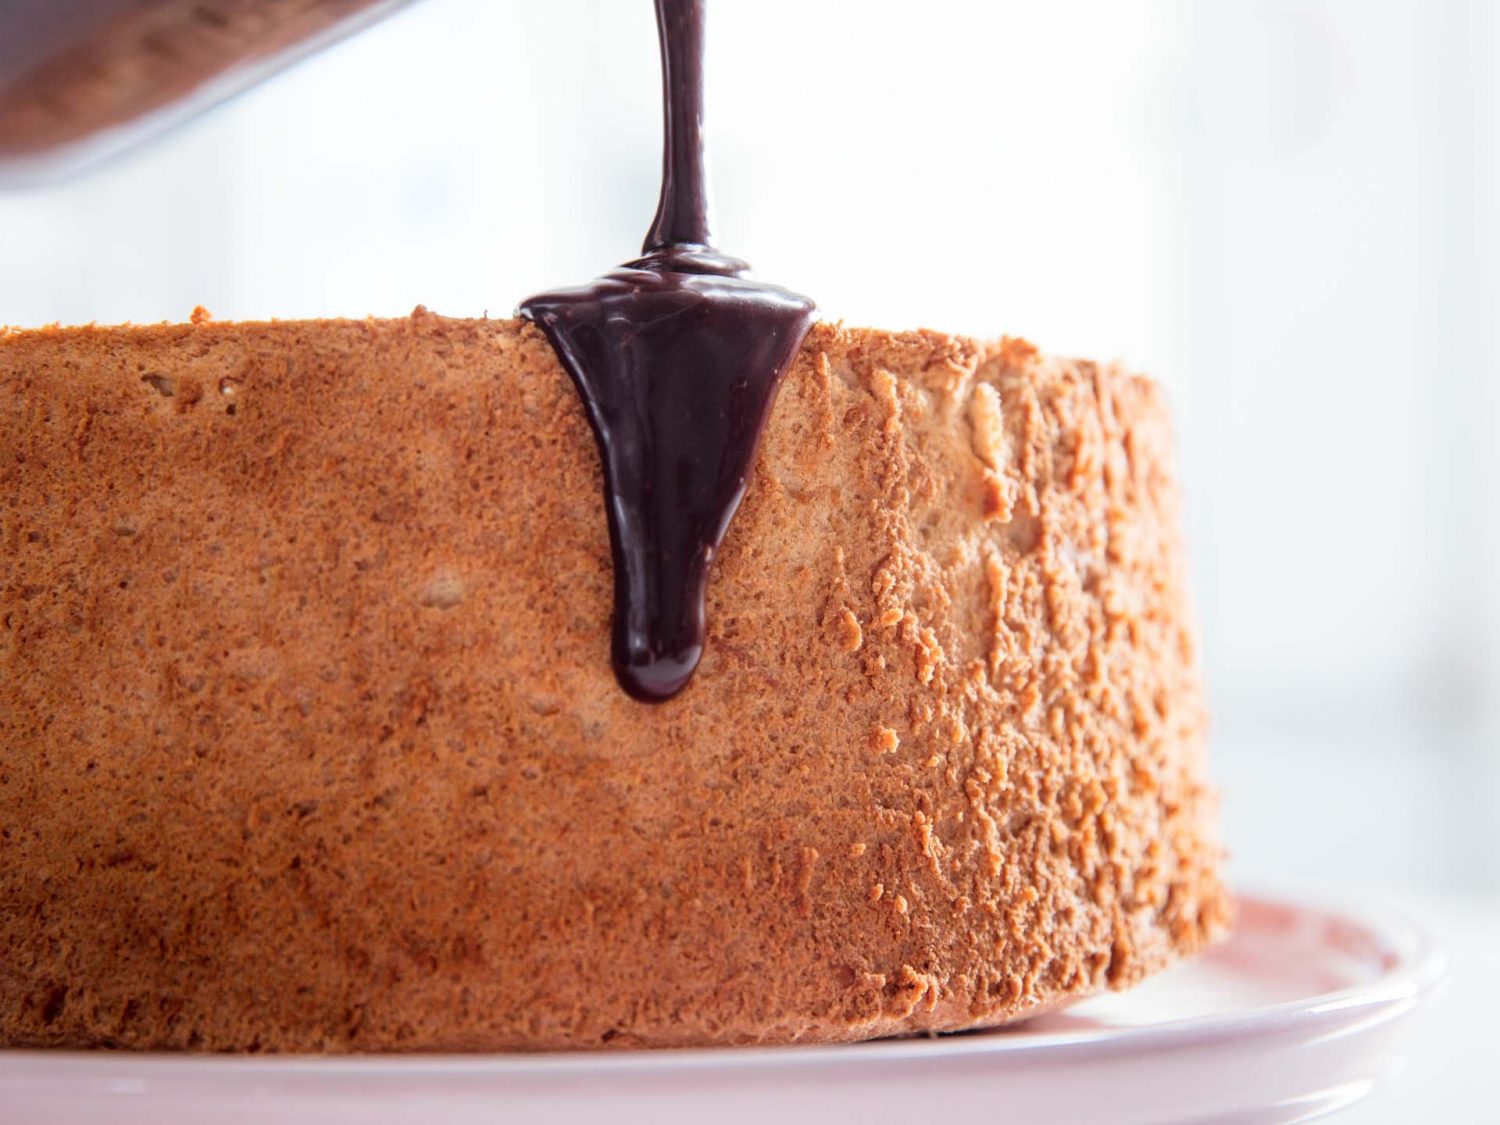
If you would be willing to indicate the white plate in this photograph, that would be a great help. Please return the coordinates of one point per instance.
(1297, 1015)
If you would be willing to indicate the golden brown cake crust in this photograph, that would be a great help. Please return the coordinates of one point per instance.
(309, 738)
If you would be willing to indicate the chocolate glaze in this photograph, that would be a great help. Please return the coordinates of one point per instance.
(678, 356)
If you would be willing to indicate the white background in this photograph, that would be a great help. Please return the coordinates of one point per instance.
(1284, 210)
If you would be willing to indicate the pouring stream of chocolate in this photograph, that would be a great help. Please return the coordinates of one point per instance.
(678, 357)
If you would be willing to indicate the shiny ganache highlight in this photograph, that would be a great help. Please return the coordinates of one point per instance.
(678, 356)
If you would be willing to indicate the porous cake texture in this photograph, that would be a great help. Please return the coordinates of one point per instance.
(309, 739)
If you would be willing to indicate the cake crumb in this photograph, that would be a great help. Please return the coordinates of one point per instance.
(444, 591)
(851, 636)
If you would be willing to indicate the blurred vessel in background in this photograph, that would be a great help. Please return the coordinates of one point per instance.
(80, 80)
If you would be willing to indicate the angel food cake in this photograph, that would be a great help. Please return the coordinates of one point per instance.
(309, 739)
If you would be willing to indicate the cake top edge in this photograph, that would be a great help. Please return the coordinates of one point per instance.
(925, 349)
(960, 347)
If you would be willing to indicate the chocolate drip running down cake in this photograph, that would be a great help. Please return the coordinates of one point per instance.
(309, 738)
